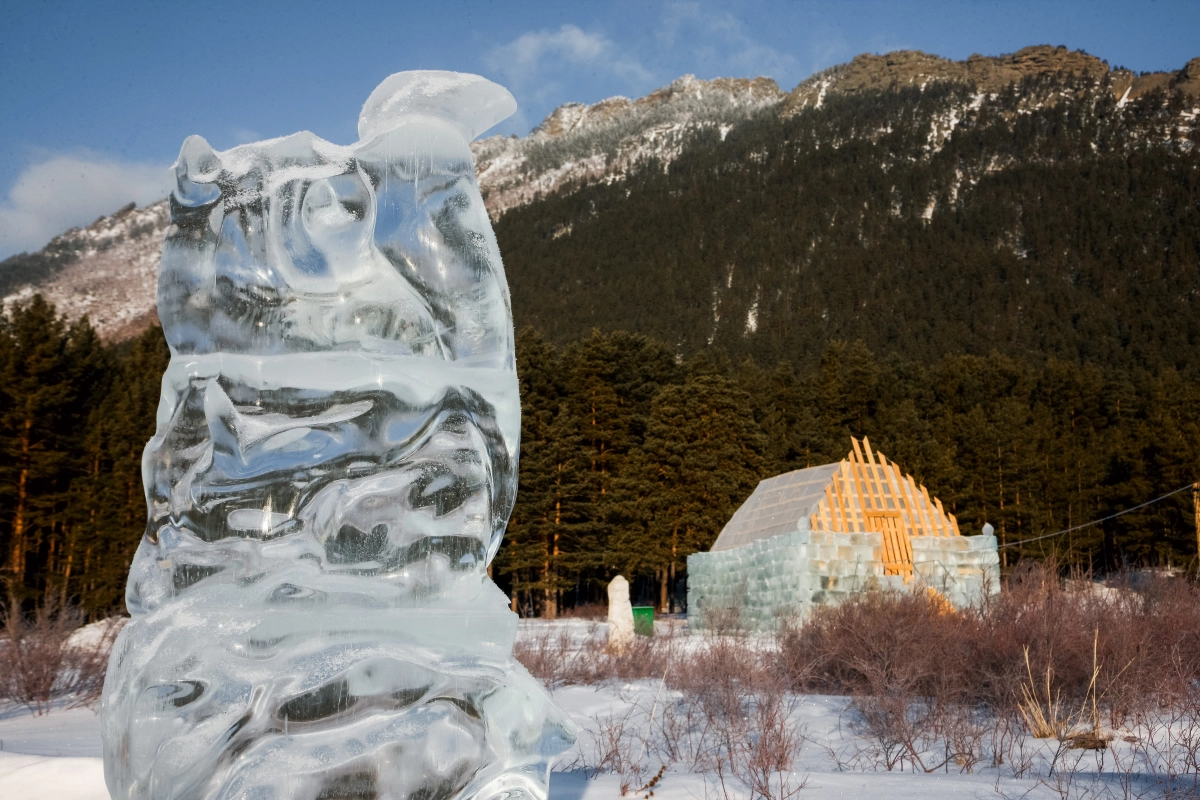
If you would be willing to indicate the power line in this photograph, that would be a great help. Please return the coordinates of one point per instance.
(1102, 519)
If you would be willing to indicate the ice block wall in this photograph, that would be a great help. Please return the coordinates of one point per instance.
(783, 577)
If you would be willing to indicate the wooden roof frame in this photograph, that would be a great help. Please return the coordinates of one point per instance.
(869, 493)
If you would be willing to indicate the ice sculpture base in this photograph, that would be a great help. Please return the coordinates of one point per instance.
(320, 700)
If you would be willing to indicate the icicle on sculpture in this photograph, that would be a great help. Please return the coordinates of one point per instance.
(333, 468)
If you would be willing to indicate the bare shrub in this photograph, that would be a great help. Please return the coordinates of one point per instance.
(41, 664)
(1108, 650)
(933, 688)
(722, 674)
(734, 719)
(764, 757)
(726, 620)
(1163, 759)
(719, 707)
(557, 659)
(551, 657)
(683, 733)
(87, 652)
(615, 740)
(1109, 674)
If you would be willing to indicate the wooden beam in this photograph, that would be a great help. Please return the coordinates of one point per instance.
(917, 523)
(891, 556)
(1196, 511)
(859, 480)
(864, 487)
(896, 480)
(890, 480)
(923, 505)
(827, 507)
(936, 520)
(876, 487)
(906, 544)
(841, 500)
(910, 491)
(852, 497)
(942, 512)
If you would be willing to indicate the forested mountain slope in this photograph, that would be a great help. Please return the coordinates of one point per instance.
(1047, 219)
(108, 270)
(934, 149)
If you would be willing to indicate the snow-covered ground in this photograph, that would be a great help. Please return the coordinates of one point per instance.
(53, 756)
(58, 755)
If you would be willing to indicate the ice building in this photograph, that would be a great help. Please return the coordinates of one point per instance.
(817, 535)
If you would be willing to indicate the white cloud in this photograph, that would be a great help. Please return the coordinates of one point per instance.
(522, 56)
(549, 66)
(64, 191)
(537, 57)
(723, 41)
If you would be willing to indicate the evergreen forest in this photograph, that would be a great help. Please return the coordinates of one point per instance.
(1008, 312)
(632, 458)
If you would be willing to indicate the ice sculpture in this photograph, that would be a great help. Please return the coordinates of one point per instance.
(333, 468)
(620, 616)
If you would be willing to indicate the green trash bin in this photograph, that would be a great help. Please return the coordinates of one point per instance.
(643, 620)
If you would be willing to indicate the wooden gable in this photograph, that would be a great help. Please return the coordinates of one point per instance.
(869, 493)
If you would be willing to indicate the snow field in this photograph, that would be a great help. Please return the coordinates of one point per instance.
(629, 730)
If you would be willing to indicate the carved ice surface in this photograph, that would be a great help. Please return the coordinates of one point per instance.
(334, 465)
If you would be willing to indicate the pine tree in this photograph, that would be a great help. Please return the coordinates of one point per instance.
(51, 376)
(702, 457)
(107, 507)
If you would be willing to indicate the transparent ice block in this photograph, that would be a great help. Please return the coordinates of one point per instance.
(333, 468)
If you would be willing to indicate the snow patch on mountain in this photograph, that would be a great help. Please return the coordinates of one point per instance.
(112, 265)
(112, 273)
(578, 144)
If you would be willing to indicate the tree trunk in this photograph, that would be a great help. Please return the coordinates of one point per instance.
(70, 535)
(662, 591)
(672, 581)
(549, 607)
(551, 591)
(1196, 512)
(17, 557)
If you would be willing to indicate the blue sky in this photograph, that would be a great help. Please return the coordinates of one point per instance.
(96, 97)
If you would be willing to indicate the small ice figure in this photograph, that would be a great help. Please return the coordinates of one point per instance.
(333, 468)
(620, 616)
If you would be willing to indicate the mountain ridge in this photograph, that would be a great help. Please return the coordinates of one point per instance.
(107, 270)
(990, 74)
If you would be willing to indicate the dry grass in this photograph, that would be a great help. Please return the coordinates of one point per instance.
(557, 659)
(1042, 709)
(593, 611)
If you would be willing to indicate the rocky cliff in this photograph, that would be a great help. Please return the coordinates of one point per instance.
(989, 74)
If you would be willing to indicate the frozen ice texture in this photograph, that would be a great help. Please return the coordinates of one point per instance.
(333, 467)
